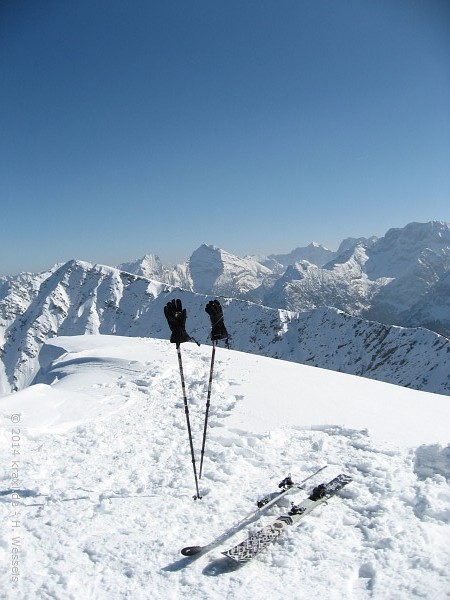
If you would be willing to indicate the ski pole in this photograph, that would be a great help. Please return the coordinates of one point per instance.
(188, 422)
(218, 332)
(208, 403)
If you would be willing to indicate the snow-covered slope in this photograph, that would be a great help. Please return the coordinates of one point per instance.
(79, 298)
(99, 502)
(75, 298)
(433, 309)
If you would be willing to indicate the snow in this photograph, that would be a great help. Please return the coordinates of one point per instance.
(99, 502)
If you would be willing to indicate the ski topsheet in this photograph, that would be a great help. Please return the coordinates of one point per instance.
(247, 520)
(253, 545)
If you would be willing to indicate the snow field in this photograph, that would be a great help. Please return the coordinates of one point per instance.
(106, 483)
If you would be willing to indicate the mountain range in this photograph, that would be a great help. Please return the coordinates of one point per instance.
(401, 279)
(311, 314)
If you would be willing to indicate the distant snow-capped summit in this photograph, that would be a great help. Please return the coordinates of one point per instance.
(215, 271)
(314, 253)
(149, 266)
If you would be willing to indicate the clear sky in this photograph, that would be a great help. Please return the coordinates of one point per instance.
(137, 126)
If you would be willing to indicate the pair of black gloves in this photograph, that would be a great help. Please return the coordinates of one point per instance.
(176, 318)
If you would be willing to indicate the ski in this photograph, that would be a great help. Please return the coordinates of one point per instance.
(253, 545)
(287, 486)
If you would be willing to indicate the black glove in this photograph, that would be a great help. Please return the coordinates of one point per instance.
(176, 318)
(215, 313)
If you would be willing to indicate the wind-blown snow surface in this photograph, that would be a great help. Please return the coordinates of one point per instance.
(104, 487)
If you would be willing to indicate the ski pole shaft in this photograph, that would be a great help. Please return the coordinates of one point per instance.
(188, 422)
(208, 403)
(300, 485)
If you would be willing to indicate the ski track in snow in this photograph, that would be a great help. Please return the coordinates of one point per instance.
(106, 505)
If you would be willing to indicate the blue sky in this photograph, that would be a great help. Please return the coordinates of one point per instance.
(254, 125)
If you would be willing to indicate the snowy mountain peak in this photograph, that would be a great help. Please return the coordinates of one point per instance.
(402, 250)
(213, 270)
(297, 271)
(149, 266)
(350, 243)
(314, 253)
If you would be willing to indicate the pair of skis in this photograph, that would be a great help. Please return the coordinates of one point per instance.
(176, 319)
(286, 486)
(255, 543)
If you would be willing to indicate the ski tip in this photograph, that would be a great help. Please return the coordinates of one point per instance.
(191, 550)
